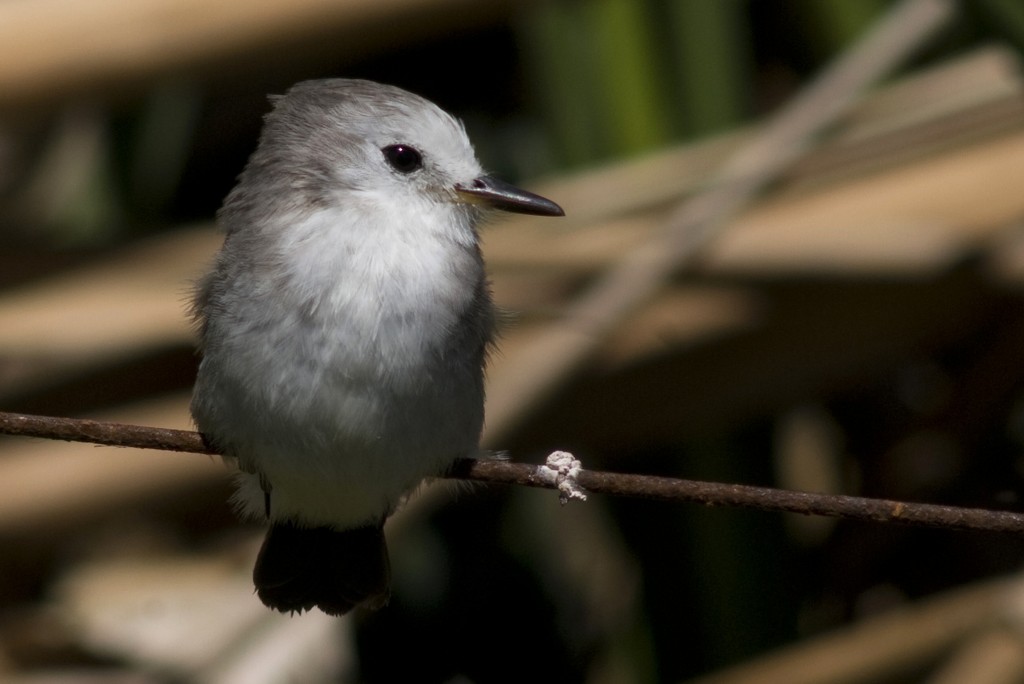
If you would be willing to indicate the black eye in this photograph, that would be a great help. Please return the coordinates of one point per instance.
(403, 158)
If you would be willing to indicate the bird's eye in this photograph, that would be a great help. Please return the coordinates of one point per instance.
(403, 158)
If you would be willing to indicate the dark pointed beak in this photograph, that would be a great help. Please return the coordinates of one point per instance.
(498, 194)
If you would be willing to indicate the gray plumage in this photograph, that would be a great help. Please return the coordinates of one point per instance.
(344, 328)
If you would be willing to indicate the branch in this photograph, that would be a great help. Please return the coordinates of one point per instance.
(615, 484)
(108, 434)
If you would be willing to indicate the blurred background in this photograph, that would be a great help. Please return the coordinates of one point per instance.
(857, 329)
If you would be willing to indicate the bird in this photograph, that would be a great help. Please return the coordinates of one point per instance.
(344, 327)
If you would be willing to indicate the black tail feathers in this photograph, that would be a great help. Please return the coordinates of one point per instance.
(301, 568)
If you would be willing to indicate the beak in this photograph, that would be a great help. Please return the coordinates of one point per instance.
(492, 192)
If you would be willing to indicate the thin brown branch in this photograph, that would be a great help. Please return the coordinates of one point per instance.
(615, 484)
(761, 498)
(98, 432)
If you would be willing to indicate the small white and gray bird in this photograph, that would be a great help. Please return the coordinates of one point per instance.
(344, 328)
